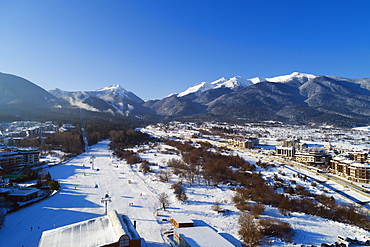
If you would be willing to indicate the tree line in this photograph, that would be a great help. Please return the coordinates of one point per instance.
(122, 139)
(296, 199)
(201, 164)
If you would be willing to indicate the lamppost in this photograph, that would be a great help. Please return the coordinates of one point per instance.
(105, 200)
(92, 157)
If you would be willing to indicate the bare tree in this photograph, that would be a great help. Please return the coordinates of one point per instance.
(164, 176)
(217, 206)
(249, 230)
(179, 192)
(163, 199)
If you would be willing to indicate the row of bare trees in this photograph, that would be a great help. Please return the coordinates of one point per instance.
(201, 164)
(257, 189)
(121, 139)
(69, 142)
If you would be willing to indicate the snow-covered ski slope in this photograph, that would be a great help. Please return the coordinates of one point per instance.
(79, 200)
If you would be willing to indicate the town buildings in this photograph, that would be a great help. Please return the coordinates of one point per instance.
(179, 220)
(351, 169)
(244, 142)
(14, 159)
(317, 158)
(21, 194)
(355, 167)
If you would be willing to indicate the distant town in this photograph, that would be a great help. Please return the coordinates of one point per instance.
(19, 163)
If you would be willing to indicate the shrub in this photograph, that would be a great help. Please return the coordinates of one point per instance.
(144, 167)
(243, 206)
(217, 207)
(289, 190)
(134, 159)
(249, 230)
(179, 192)
(164, 176)
(54, 185)
(257, 210)
(276, 228)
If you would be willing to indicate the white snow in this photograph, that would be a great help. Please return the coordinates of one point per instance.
(256, 80)
(237, 81)
(79, 200)
(231, 83)
(198, 88)
(362, 128)
(202, 237)
(93, 232)
(115, 89)
(285, 78)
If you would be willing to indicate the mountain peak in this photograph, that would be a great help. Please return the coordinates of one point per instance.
(232, 83)
(239, 82)
(113, 87)
(294, 75)
(57, 92)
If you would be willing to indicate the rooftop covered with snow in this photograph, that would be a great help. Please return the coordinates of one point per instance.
(202, 236)
(98, 231)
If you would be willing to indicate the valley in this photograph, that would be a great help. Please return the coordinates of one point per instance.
(83, 187)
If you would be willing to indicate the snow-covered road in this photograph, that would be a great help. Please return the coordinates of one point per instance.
(79, 200)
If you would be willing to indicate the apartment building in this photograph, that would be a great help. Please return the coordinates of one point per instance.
(285, 151)
(15, 159)
(313, 158)
(244, 143)
(351, 169)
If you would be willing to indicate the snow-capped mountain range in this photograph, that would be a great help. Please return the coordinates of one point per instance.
(232, 83)
(295, 98)
(239, 82)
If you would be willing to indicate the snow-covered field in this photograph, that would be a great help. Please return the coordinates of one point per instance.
(79, 200)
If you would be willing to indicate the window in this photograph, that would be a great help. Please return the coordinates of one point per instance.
(124, 240)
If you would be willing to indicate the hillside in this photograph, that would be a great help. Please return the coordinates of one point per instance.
(19, 96)
(295, 99)
(113, 99)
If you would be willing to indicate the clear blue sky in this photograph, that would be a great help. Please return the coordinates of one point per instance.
(154, 47)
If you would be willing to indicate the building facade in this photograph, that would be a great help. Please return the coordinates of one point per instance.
(313, 158)
(351, 170)
(285, 151)
(244, 143)
(15, 159)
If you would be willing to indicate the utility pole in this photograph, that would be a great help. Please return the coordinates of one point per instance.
(92, 157)
(105, 200)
